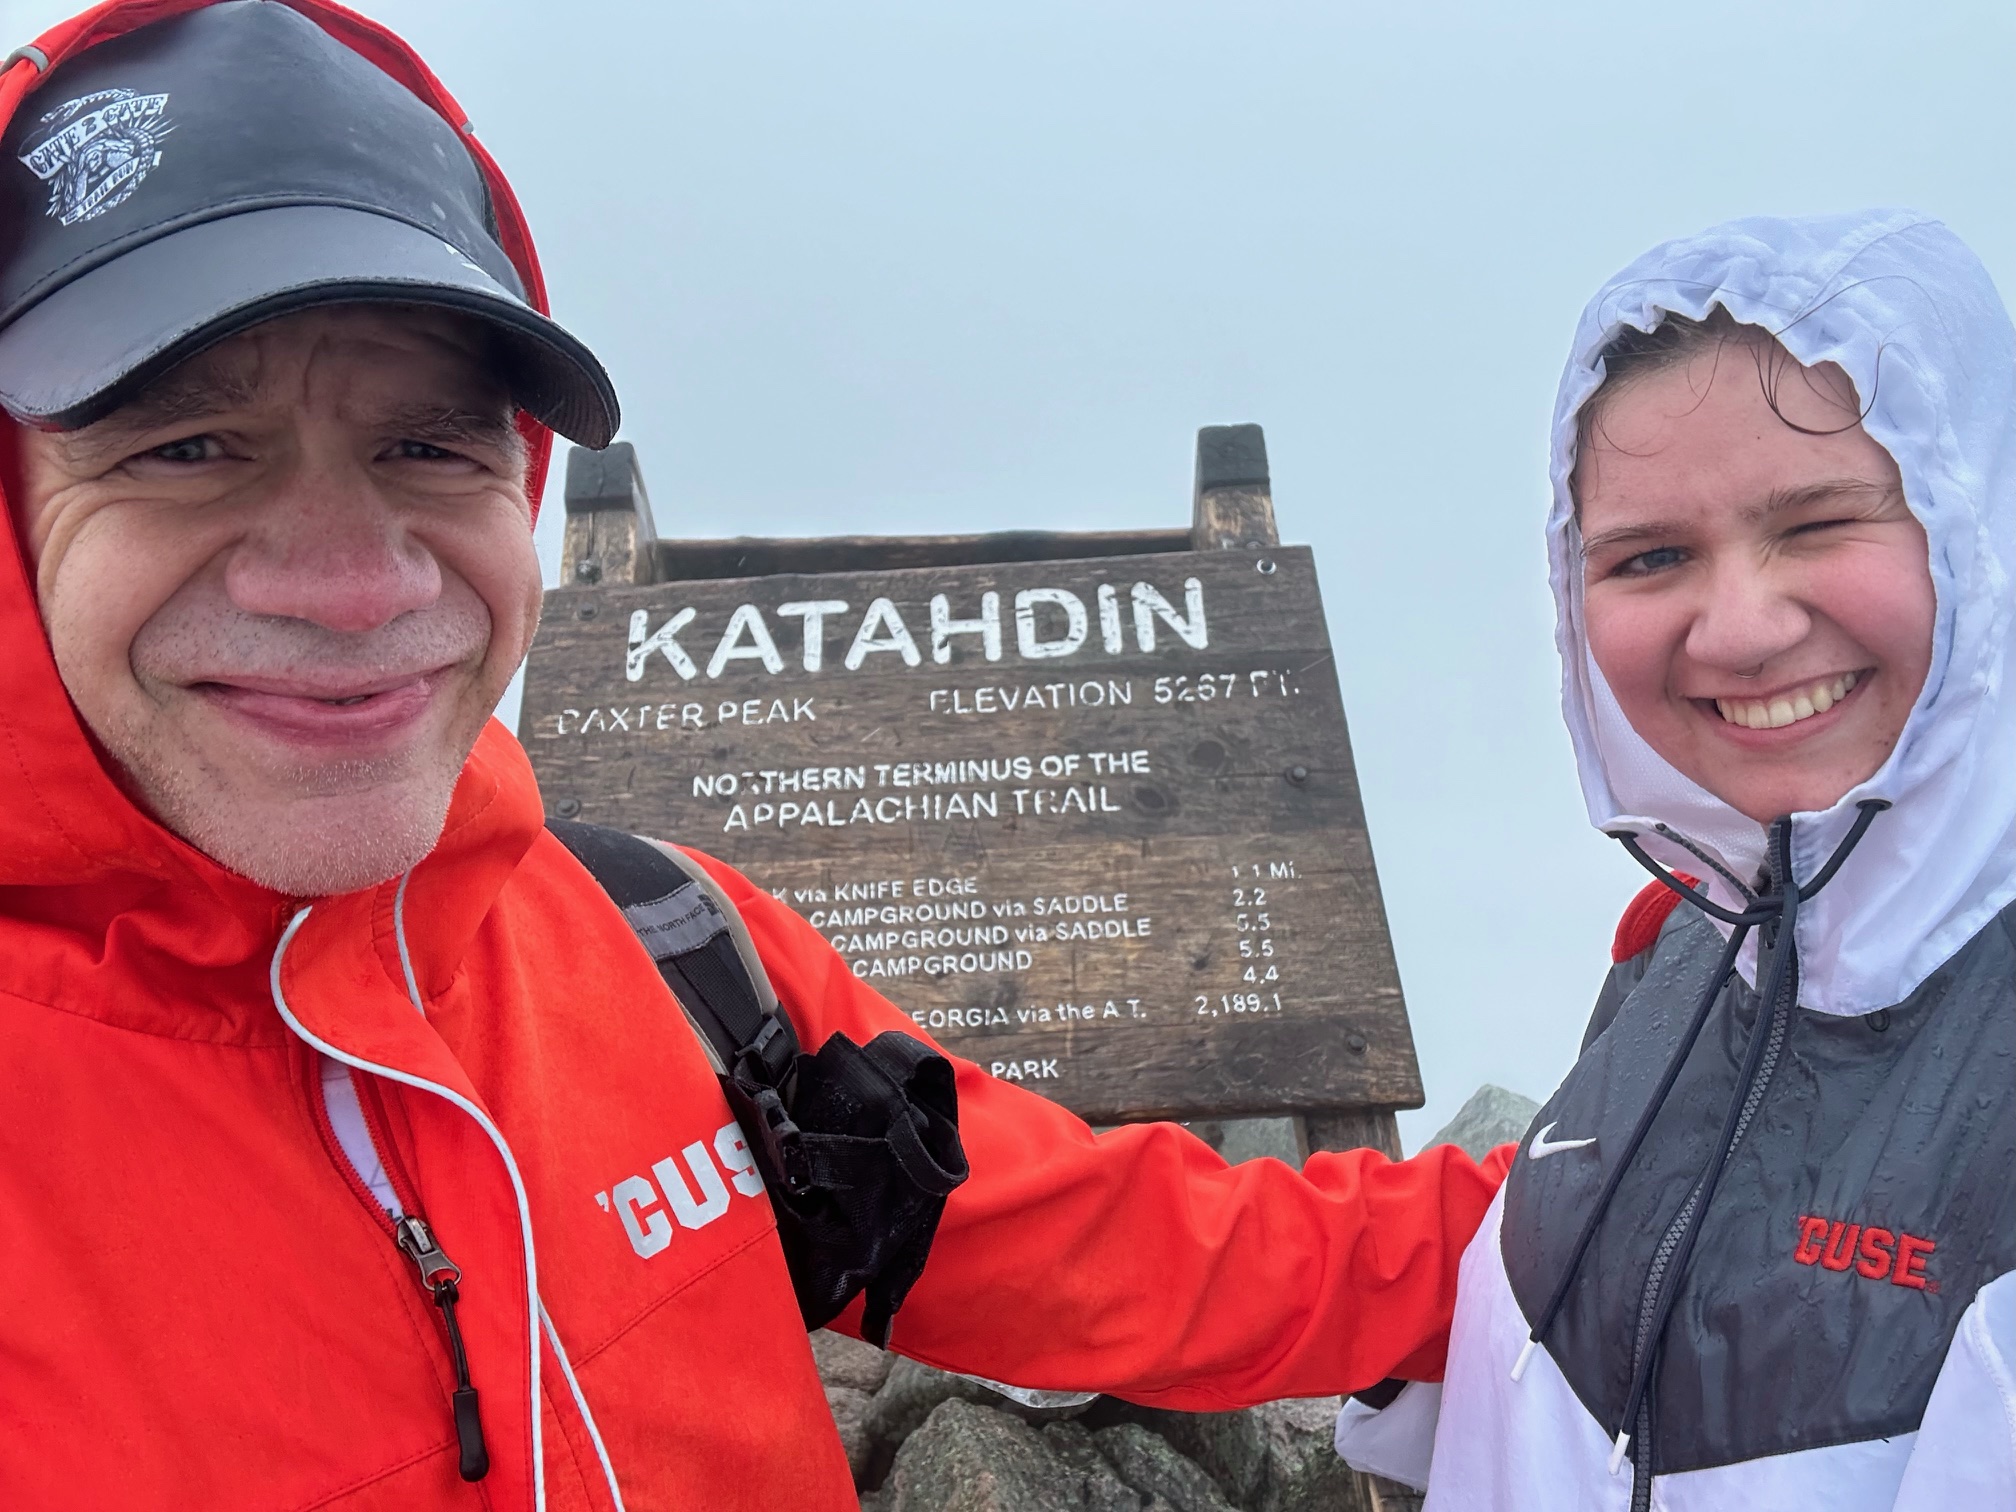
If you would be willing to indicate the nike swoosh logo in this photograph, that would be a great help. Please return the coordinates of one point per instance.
(1542, 1147)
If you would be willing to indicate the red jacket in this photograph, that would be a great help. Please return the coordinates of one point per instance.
(200, 1307)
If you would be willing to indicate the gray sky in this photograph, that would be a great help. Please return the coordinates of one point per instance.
(940, 267)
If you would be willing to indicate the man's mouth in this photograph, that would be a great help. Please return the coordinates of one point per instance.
(1791, 706)
(298, 710)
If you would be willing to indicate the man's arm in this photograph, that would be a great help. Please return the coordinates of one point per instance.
(1137, 1262)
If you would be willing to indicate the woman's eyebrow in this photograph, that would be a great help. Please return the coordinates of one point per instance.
(1864, 492)
(1780, 500)
(1650, 530)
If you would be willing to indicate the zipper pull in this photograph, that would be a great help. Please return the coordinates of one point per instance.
(442, 1277)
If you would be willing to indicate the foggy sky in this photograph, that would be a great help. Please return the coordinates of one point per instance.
(948, 267)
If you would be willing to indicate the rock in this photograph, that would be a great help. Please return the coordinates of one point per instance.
(1146, 1462)
(1229, 1446)
(1391, 1496)
(851, 1409)
(1303, 1472)
(968, 1458)
(849, 1362)
(1077, 1449)
(912, 1392)
(909, 1395)
(1492, 1116)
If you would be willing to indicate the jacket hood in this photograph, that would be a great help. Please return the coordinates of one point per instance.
(1911, 315)
(68, 826)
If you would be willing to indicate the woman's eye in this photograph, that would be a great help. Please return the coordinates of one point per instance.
(1647, 562)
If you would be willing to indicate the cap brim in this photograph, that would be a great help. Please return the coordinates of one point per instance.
(84, 350)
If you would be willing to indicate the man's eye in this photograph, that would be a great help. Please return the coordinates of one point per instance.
(1648, 562)
(422, 451)
(188, 449)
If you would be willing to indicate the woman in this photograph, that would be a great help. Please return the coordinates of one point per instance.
(1757, 1249)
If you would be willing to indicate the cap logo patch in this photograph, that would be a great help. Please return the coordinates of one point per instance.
(94, 151)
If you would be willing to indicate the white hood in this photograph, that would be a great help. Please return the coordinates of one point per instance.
(1913, 318)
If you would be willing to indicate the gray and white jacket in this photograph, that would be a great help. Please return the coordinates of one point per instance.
(1763, 1254)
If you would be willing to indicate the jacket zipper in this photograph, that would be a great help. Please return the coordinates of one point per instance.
(442, 1278)
(1669, 1243)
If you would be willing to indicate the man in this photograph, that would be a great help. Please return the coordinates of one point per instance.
(292, 978)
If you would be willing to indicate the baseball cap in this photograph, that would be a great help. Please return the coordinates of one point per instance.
(168, 188)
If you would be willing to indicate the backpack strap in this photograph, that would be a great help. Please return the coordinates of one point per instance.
(858, 1145)
(703, 951)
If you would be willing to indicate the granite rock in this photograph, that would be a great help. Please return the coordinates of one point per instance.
(1148, 1463)
(913, 1391)
(1303, 1472)
(851, 1409)
(969, 1458)
(849, 1362)
(1493, 1116)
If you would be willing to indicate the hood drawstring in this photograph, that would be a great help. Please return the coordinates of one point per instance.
(1777, 909)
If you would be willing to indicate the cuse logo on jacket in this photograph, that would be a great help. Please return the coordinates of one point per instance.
(690, 1184)
(1872, 1252)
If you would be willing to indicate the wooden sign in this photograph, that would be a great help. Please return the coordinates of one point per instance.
(1085, 811)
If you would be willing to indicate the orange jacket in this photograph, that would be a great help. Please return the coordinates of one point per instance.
(202, 1308)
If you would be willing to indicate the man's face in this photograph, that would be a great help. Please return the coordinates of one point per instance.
(1757, 596)
(287, 584)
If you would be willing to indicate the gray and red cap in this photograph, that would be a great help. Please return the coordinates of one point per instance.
(178, 184)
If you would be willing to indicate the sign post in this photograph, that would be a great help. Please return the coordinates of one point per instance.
(1081, 804)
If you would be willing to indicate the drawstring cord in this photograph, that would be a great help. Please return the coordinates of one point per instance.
(1590, 1224)
(1780, 907)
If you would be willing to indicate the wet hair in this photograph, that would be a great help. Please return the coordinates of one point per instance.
(1633, 355)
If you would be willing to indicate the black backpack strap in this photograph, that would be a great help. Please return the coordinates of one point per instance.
(859, 1145)
(704, 953)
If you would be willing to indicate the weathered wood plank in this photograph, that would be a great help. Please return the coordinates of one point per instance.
(1232, 506)
(1353, 1129)
(610, 536)
(756, 556)
(1092, 822)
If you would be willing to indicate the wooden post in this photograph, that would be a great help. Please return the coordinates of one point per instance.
(1233, 510)
(1234, 502)
(610, 535)
(1353, 1129)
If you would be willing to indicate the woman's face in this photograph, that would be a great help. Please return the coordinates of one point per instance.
(1757, 597)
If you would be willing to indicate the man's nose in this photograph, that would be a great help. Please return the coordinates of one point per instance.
(325, 546)
(1745, 619)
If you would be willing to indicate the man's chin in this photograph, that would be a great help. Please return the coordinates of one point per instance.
(319, 846)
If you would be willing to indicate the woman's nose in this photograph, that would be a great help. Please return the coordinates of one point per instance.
(324, 546)
(1745, 619)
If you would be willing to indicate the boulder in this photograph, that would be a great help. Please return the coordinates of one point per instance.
(1492, 1116)
(1076, 1449)
(1146, 1462)
(851, 1409)
(849, 1362)
(913, 1391)
(1303, 1472)
(908, 1396)
(1229, 1446)
(969, 1458)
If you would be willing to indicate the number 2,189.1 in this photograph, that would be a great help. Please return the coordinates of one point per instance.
(1238, 1002)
